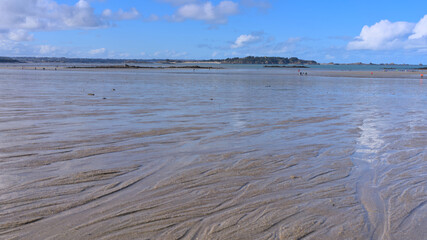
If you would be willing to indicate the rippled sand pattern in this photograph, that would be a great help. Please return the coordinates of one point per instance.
(220, 154)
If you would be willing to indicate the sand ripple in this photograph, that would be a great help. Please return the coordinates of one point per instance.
(211, 156)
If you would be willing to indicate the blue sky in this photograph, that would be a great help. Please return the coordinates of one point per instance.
(325, 31)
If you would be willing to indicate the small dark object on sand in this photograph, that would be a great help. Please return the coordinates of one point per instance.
(91, 94)
(104, 98)
(211, 99)
(114, 89)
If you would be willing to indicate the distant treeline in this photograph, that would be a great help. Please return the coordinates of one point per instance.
(126, 66)
(245, 60)
(268, 60)
(8, 60)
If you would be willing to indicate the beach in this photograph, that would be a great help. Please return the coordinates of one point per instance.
(212, 154)
(342, 71)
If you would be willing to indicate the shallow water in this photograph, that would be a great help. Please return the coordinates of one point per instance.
(217, 154)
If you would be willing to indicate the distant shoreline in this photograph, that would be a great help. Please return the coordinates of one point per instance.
(249, 60)
(285, 71)
(140, 67)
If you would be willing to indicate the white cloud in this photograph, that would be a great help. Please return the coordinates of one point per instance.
(97, 51)
(420, 30)
(121, 14)
(242, 40)
(386, 35)
(131, 14)
(19, 17)
(46, 15)
(259, 43)
(80, 15)
(207, 12)
(17, 35)
(203, 10)
(107, 13)
(47, 49)
(15, 48)
(382, 35)
(8, 47)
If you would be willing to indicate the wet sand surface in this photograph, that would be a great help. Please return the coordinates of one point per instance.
(412, 74)
(219, 154)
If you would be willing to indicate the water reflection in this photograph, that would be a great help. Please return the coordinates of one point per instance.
(369, 143)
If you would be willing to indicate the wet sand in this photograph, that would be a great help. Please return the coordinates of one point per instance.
(414, 74)
(224, 154)
(261, 70)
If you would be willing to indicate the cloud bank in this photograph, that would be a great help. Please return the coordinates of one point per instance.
(121, 14)
(46, 15)
(20, 17)
(207, 12)
(386, 35)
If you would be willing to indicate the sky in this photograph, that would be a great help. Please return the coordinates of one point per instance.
(343, 31)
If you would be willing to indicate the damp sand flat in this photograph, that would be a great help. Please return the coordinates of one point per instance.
(219, 154)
